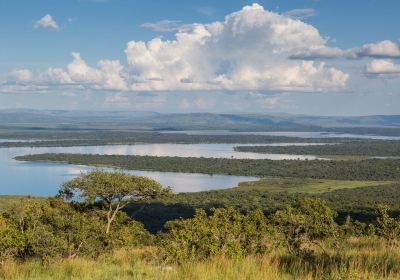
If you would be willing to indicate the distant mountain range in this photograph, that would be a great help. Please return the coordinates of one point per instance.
(142, 120)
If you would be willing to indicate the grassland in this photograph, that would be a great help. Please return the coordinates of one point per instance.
(304, 185)
(359, 259)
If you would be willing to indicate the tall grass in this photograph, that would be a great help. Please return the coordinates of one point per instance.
(358, 258)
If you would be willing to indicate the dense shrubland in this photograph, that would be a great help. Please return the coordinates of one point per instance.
(302, 239)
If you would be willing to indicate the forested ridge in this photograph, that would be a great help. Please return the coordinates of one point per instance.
(369, 169)
(360, 148)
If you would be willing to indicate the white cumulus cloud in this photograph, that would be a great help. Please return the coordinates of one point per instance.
(107, 74)
(20, 75)
(248, 50)
(47, 22)
(251, 49)
(382, 68)
(383, 49)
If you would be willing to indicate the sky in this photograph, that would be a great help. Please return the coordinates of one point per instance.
(314, 57)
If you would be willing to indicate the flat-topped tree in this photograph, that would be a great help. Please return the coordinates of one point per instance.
(112, 190)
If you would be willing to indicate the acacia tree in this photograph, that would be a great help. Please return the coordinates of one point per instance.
(112, 190)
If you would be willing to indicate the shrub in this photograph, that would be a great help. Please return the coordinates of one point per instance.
(388, 227)
(304, 224)
(356, 228)
(226, 232)
(11, 242)
(52, 228)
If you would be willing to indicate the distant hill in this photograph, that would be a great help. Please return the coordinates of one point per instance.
(144, 120)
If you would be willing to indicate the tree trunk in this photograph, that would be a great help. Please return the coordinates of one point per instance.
(109, 221)
(111, 214)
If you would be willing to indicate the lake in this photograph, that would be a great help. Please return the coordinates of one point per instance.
(39, 178)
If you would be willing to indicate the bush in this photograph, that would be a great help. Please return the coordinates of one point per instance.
(356, 228)
(226, 232)
(388, 227)
(52, 229)
(304, 224)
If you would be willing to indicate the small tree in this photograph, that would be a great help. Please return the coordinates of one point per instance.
(304, 224)
(388, 227)
(112, 190)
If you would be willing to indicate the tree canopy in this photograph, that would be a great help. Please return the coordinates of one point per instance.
(111, 190)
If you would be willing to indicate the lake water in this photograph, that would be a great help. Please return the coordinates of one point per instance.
(39, 178)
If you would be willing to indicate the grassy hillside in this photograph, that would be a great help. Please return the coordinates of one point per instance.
(360, 259)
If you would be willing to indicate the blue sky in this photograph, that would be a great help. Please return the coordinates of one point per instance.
(304, 56)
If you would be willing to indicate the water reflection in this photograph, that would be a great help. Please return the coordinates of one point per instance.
(39, 178)
(179, 150)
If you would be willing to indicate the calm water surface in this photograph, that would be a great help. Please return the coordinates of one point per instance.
(38, 178)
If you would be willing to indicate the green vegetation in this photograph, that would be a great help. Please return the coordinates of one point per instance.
(93, 138)
(358, 200)
(302, 220)
(304, 185)
(68, 138)
(8, 200)
(371, 169)
(53, 239)
(113, 191)
(359, 148)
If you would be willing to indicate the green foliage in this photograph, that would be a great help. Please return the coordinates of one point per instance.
(370, 169)
(359, 203)
(9, 200)
(11, 241)
(112, 190)
(355, 228)
(226, 232)
(388, 227)
(110, 187)
(357, 148)
(60, 138)
(305, 223)
(52, 229)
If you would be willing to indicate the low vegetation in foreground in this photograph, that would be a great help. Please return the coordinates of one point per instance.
(84, 233)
